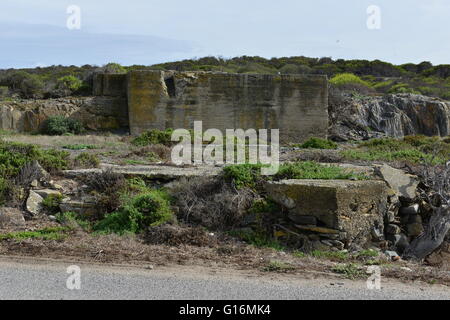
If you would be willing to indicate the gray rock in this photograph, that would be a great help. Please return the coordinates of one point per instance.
(11, 217)
(306, 220)
(414, 209)
(34, 203)
(415, 229)
(393, 229)
(44, 193)
(400, 242)
(85, 206)
(392, 255)
(404, 185)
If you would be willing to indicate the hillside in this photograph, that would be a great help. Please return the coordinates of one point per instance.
(373, 77)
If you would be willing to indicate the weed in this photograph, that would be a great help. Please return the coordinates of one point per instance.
(80, 146)
(51, 203)
(56, 233)
(154, 136)
(59, 125)
(330, 255)
(145, 210)
(86, 160)
(318, 143)
(278, 266)
(349, 270)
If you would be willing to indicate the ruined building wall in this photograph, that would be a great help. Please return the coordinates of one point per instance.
(295, 104)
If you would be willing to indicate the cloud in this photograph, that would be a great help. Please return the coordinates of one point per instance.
(25, 45)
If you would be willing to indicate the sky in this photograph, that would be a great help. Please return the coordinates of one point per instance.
(35, 33)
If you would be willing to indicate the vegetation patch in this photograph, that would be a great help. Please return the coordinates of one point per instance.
(413, 149)
(142, 211)
(80, 146)
(51, 203)
(330, 255)
(349, 270)
(59, 125)
(278, 266)
(13, 156)
(86, 160)
(318, 143)
(154, 136)
(56, 233)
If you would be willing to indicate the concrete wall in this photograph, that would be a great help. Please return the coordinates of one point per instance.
(295, 104)
(114, 85)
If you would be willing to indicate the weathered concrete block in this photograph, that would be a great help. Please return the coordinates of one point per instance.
(295, 104)
(354, 207)
(110, 85)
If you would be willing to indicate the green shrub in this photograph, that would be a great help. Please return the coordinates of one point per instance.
(13, 156)
(69, 82)
(244, 175)
(318, 143)
(313, 170)
(330, 255)
(4, 187)
(154, 136)
(145, 210)
(59, 125)
(257, 239)
(414, 149)
(73, 219)
(350, 270)
(55, 233)
(51, 203)
(86, 160)
(347, 79)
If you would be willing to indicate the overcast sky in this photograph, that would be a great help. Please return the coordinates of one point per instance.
(34, 32)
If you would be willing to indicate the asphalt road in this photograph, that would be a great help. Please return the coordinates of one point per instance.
(25, 279)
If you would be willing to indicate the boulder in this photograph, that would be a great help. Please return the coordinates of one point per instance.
(34, 203)
(11, 217)
(44, 193)
(339, 206)
(86, 206)
(403, 184)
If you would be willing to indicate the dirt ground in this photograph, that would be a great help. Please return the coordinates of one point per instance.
(221, 252)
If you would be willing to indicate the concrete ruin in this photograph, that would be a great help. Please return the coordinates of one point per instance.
(295, 104)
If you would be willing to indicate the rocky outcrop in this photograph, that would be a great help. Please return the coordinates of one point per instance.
(396, 115)
(96, 113)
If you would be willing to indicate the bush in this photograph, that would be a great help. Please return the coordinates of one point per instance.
(86, 160)
(313, 170)
(345, 79)
(244, 175)
(59, 125)
(318, 143)
(143, 211)
(14, 156)
(51, 203)
(413, 149)
(211, 202)
(154, 137)
(107, 187)
(70, 82)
